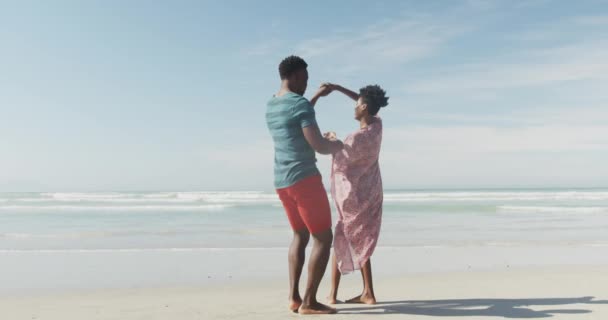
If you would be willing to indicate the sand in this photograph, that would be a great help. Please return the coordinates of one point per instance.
(567, 292)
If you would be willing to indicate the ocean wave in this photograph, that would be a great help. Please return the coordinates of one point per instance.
(496, 196)
(279, 249)
(86, 196)
(207, 207)
(554, 209)
(97, 234)
(111, 200)
(158, 197)
(132, 250)
(182, 249)
(231, 197)
(266, 198)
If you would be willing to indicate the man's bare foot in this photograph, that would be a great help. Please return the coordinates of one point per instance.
(363, 298)
(294, 305)
(316, 308)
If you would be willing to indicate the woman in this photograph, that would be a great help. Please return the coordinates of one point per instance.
(356, 187)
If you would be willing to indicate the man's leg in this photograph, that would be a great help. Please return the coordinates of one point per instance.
(316, 268)
(297, 249)
(297, 254)
(335, 281)
(314, 210)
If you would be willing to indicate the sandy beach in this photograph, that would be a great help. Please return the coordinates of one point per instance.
(533, 292)
(466, 255)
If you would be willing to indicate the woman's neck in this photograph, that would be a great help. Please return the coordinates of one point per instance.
(366, 121)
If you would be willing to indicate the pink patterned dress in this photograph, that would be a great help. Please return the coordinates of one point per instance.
(356, 187)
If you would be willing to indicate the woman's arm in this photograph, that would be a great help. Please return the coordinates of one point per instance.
(351, 94)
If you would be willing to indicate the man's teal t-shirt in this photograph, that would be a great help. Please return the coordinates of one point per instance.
(294, 158)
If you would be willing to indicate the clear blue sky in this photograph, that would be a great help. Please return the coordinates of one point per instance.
(151, 95)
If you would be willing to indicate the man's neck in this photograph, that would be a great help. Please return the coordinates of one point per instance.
(284, 89)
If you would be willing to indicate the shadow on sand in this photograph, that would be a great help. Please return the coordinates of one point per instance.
(506, 308)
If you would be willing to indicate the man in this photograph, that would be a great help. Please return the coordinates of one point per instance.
(292, 124)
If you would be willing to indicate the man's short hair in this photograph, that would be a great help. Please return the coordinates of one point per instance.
(290, 65)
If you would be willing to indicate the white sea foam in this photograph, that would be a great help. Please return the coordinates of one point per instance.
(131, 250)
(158, 197)
(97, 234)
(277, 249)
(496, 196)
(251, 198)
(552, 209)
(85, 196)
(229, 197)
(207, 207)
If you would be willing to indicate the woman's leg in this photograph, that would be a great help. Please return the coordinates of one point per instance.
(335, 282)
(368, 296)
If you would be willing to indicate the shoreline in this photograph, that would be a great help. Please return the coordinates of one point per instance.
(83, 270)
(561, 292)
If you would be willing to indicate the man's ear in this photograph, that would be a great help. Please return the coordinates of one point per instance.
(364, 106)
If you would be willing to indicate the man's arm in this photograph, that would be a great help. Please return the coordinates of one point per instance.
(323, 91)
(312, 134)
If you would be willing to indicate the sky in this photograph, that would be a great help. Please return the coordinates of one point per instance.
(171, 95)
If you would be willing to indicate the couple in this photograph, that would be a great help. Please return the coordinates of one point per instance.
(356, 185)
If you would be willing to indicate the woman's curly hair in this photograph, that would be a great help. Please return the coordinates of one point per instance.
(375, 98)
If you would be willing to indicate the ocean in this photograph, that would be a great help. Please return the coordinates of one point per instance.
(78, 241)
(131, 221)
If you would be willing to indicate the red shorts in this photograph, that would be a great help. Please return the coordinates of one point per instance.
(306, 205)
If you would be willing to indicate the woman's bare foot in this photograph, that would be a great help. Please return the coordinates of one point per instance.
(294, 305)
(316, 308)
(364, 298)
(332, 300)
